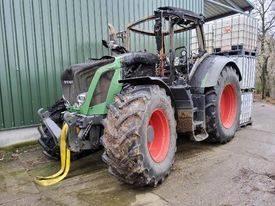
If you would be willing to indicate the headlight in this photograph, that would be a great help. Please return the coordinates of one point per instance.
(81, 98)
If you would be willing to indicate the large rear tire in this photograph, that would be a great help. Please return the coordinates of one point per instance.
(223, 107)
(140, 136)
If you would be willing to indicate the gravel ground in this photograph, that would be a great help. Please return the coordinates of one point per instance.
(241, 172)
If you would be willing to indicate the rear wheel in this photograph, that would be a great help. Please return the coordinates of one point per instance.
(223, 107)
(140, 136)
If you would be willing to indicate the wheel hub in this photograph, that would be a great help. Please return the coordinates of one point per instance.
(158, 135)
(228, 106)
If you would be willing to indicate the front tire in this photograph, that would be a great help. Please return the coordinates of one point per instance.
(140, 136)
(223, 104)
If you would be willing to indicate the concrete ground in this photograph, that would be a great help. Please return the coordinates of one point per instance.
(241, 172)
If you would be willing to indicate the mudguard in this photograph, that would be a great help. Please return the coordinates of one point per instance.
(151, 81)
(148, 80)
(208, 71)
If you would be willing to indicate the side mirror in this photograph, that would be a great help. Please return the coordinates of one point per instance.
(114, 47)
(113, 40)
(105, 44)
(112, 33)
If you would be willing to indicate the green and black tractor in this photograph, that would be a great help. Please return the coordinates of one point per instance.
(134, 104)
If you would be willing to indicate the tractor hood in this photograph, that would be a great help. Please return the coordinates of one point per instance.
(77, 78)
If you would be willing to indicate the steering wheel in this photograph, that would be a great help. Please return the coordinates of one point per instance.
(183, 54)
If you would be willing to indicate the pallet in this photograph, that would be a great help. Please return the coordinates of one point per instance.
(235, 50)
(248, 90)
(245, 124)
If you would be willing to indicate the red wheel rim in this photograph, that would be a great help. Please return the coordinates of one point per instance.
(158, 143)
(228, 106)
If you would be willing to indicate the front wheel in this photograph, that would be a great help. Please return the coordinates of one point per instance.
(140, 136)
(223, 104)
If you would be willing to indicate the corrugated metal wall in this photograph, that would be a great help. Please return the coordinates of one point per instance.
(39, 38)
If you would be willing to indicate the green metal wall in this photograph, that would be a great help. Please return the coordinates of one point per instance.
(39, 38)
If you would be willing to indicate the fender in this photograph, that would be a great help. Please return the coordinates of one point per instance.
(208, 71)
(152, 81)
(181, 98)
(148, 81)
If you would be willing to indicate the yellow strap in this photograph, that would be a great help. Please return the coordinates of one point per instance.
(48, 182)
(62, 155)
(65, 162)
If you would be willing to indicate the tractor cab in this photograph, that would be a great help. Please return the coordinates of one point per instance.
(175, 62)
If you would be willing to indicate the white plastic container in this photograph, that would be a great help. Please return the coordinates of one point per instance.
(209, 38)
(237, 30)
(246, 107)
(247, 66)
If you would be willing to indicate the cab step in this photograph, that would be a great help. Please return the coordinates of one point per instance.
(199, 130)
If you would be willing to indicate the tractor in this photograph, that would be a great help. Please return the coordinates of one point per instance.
(134, 104)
